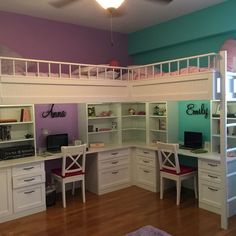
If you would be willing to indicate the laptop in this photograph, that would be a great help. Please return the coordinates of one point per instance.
(192, 140)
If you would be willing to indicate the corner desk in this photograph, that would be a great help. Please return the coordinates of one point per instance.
(107, 169)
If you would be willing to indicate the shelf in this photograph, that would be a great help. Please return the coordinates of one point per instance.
(102, 117)
(158, 130)
(141, 129)
(16, 140)
(228, 118)
(228, 136)
(155, 116)
(128, 116)
(105, 131)
(17, 123)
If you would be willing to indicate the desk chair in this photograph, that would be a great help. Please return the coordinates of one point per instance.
(171, 169)
(73, 169)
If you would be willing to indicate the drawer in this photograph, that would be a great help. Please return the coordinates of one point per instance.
(213, 177)
(28, 168)
(113, 177)
(27, 180)
(209, 165)
(146, 161)
(28, 197)
(146, 175)
(113, 162)
(113, 154)
(209, 193)
(145, 153)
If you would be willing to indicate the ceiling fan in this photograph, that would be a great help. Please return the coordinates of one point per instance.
(111, 6)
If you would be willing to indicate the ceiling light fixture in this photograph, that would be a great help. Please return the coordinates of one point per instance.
(110, 4)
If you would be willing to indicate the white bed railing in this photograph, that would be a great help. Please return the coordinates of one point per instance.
(42, 68)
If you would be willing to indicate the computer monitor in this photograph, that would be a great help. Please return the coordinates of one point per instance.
(193, 139)
(55, 141)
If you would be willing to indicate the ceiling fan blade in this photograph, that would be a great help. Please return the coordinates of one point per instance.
(161, 1)
(61, 3)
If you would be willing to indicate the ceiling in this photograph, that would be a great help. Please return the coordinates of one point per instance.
(136, 14)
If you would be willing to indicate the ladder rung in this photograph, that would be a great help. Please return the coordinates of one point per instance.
(231, 149)
(231, 125)
(231, 199)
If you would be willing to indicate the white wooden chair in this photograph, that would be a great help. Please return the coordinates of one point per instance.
(73, 169)
(171, 169)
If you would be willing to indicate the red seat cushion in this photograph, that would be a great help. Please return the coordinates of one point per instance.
(59, 173)
(183, 170)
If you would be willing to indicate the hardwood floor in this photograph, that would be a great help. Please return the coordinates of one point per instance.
(118, 213)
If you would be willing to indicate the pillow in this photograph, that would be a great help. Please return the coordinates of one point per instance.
(7, 65)
(86, 70)
(109, 75)
(230, 46)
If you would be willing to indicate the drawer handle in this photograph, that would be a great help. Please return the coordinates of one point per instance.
(145, 152)
(114, 162)
(29, 192)
(28, 168)
(145, 161)
(29, 180)
(213, 189)
(115, 172)
(213, 176)
(114, 153)
(146, 171)
(213, 165)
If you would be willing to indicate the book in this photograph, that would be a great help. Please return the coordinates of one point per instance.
(25, 115)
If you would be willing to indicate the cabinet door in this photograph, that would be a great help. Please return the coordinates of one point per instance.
(5, 193)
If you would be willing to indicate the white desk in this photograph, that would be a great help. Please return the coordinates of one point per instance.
(8, 167)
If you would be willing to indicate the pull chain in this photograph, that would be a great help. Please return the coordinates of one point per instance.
(111, 30)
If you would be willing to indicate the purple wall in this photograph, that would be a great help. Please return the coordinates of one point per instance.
(67, 124)
(50, 40)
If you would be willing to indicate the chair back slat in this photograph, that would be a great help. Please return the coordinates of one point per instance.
(73, 159)
(168, 156)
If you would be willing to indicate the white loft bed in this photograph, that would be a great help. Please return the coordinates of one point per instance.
(38, 81)
(170, 80)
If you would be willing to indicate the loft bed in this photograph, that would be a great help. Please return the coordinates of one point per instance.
(192, 78)
(39, 81)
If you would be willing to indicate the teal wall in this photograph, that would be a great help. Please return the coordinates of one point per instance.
(197, 33)
(195, 123)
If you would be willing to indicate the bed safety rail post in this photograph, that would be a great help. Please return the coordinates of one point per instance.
(13, 67)
(223, 140)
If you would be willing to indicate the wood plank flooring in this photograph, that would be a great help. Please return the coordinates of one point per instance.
(118, 213)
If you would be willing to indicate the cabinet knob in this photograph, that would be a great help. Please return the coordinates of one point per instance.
(28, 168)
(29, 192)
(115, 172)
(29, 180)
(213, 176)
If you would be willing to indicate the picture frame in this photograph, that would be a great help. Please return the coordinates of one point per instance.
(91, 111)
(217, 112)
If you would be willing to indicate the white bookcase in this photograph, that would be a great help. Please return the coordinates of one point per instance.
(16, 130)
(121, 123)
(99, 123)
(215, 125)
(133, 122)
(163, 119)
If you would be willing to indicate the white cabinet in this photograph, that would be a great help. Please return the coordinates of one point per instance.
(146, 169)
(17, 129)
(5, 193)
(209, 181)
(108, 171)
(28, 186)
(22, 190)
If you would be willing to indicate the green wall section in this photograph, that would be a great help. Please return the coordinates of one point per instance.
(197, 33)
(195, 123)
